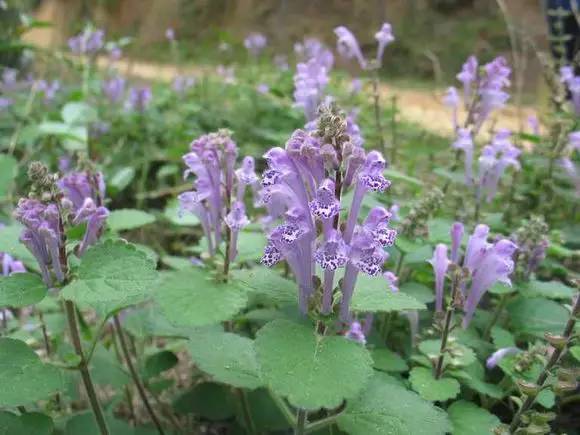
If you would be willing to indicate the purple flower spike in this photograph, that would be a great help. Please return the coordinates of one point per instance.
(457, 231)
(347, 45)
(139, 98)
(500, 354)
(468, 76)
(255, 43)
(440, 264)
(88, 42)
(355, 333)
(325, 205)
(384, 37)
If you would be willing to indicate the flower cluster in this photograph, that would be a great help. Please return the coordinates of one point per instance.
(495, 158)
(303, 186)
(483, 91)
(114, 88)
(255, 43)
(212, 160)
(139, 98)
(311, 76)
(181, 84)
(48, 89)
(88, 42)
(84, 193)
(572, 83)
(487, 263)
(349, 48)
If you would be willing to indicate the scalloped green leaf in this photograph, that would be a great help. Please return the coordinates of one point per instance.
(388, 361)
(128, 219)
(547, 289)
(387, 408)
(194, 298)
(267, 282)
(112, 275)
(535, 316)
(21, 289)
(304, 367)
(429, 388)
(469, 419)
(24, 378)
(228, 358)
(373, 295)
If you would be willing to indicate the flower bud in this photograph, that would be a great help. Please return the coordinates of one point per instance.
(558, 341)
(528, 388)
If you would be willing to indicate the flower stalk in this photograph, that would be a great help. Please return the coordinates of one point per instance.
(455, 285)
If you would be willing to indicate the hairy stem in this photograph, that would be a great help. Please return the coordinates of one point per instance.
(85, 374)
(301, 420)
(549, 365)
(135, 375)
(446, 328)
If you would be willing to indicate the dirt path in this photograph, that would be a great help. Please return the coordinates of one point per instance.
(420, 106)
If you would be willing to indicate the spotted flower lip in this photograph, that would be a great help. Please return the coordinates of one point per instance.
(236, 219)
(325, 205)
(333, 252)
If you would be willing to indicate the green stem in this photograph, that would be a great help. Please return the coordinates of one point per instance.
(321, 424)
(246, 412)
(135, 375)
(283, 408)
(556, 354)
(301, 420)
(85, 374)
(446, 328)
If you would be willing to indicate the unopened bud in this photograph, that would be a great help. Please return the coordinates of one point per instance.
(558, 341)
(563, 387)
(528, 388)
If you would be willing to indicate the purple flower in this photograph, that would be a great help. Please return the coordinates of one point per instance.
(494, 160)
(255, 43)
(115, 52)
(498, 355)
(332, 253)
(48, 90)
(440, 264)
(353, 130)
(236, 219)
(227, 73)
(570, 168)
(490, 264)
(392, 281)
(451, 99)
(42, 236)
(88, 42)
(312, 48)
(355, 333)
(325, 205)
(139, 98)
(464, 142)
(182, 83)
(262, 88)
(457, 231)
(9, 80)
(170, 34)
(394, 210)
(384, 37)
(10, 265)
(534, 124)
(468, 76)
(246, 176)
(491, 89)
(281, 62)
(347, 45)
(310, 80)
(574, 141)
(85, 192)
(5, 102)
(355, 86)
(114, 88)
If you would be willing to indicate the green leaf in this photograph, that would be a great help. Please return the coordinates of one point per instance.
(502, 338)
(128, 219)
(194, 298)
(122, 178)
(8, 172)
(21, 289)
(24, 378)
(387, 408)
(10, 424)
(112, 275)
(160, 362)
(548, 289)
(439, 230)
(501, 289)
(429, 388)
(304, 367)
(227, 357)
(535, 316)
(420, 292)
(35, 423)
(419, 256)
(392, 174)
(388, 361)
(469, 419)
(76, 112)
(575, 352)
(373, 295)
(250, 246)
(74, 137)
(269, 283)
(474, 377)
(208, 400)
(148, 321)
(10, 243)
